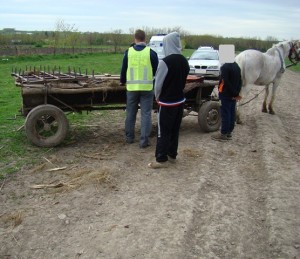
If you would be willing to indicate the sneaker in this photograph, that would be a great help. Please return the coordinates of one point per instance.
(172, 160)
(229, 136)
(220, 137)
(144, 145)
(157, 165)
(129, 141)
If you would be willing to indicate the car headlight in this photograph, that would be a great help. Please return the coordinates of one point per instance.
(191, 66)
(213, 67)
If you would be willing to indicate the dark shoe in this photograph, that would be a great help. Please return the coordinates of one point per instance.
(229, 136)
(219, 137)
(145, 145)
(129, 141)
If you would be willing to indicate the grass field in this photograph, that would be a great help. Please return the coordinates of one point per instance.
(15, 150)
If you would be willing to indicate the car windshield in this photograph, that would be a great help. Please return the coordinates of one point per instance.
(205, 55)
(159, 51)
(156, 43)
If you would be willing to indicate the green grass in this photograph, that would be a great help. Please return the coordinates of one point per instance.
(294, 68)
(15, 150)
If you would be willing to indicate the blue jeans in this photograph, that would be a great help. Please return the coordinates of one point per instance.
(228, 107)
(145, 99)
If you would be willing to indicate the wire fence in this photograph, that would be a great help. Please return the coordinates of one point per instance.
(27, 51)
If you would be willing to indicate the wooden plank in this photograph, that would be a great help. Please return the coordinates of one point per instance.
(53, 90)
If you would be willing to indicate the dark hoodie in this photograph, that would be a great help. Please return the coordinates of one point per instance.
(171, 73)
(230, 82)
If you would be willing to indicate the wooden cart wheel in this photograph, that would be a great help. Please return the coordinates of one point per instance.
(209, 118)
(46, 126)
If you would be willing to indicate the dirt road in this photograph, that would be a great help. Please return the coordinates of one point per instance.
(239, 199)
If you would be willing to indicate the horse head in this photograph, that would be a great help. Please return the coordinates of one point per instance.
(294, 55)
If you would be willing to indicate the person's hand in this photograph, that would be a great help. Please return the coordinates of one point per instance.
(237, 98)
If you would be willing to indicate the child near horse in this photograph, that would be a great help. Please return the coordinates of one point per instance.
(229, 88)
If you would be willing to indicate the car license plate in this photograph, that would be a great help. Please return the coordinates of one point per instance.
(200, 71)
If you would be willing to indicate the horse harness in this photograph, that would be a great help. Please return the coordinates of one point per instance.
(282, 69)
(255, 96)
(294, 56)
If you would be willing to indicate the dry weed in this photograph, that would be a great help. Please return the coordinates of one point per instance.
(13, 219)
(191, 153)
(77, 179)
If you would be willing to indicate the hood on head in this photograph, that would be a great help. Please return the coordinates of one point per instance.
(172, 44)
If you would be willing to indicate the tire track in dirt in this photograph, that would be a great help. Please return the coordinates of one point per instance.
(229, 220)
(248, 203)
(281, 156)
(282, 169)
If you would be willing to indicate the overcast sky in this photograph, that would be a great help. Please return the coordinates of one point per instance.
(227, 18)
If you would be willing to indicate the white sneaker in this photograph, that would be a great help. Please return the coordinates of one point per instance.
(157, 165)
(172, 160)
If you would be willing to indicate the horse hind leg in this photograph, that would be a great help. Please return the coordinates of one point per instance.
(264, 106)
(270, 106)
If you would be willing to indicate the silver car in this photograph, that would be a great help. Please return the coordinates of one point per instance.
(205, 62)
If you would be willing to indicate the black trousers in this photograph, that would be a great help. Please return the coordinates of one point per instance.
(169, 121)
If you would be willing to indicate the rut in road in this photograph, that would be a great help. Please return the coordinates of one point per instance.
(230, 211)
(248, 202)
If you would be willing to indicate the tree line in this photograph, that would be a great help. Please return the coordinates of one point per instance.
(66, 36)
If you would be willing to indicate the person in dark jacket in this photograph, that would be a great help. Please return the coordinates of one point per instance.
(169, 83)
(137, 73)
(229, 88)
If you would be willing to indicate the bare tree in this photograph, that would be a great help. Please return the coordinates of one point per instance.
(64, 34)
(116, 39)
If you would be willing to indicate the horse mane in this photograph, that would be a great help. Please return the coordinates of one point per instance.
(271, 51)
(281, 44)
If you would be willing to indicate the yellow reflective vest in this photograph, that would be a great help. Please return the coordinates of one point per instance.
(139, 71)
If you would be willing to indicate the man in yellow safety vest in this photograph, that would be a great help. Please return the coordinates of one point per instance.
(138, 69)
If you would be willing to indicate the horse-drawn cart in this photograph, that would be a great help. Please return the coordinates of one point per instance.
(47, 96)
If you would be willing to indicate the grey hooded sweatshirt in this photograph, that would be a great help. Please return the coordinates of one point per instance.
(171, 73)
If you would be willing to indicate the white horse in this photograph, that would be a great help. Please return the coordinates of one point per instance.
(264, 69)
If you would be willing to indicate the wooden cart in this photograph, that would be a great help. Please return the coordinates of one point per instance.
(47, 96)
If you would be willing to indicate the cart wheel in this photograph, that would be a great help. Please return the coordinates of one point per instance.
(209, 118)
(46, 126)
